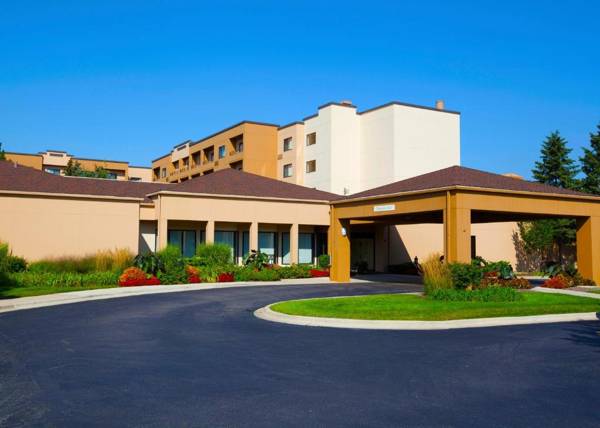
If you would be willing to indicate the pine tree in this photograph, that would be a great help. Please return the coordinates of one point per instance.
(590, 164)
(2, 155)
(555, 167)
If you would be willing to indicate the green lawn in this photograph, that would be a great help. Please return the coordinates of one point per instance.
(412, 307)
(13, 292)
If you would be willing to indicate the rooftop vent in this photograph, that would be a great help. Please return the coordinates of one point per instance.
(439, 104)
(346, 102)
(513, 175)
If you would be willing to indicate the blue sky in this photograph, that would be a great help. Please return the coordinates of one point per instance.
(129, 79)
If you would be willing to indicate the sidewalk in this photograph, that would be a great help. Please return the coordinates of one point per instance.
(21, 303)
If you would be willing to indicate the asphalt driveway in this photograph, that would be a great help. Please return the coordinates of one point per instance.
(202, 359)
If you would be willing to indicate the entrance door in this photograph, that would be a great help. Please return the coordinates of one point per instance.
(362, 254)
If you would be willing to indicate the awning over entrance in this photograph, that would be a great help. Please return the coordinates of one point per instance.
(457, 197)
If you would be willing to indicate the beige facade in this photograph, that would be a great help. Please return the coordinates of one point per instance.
(290, 153)
(47, 226)
(56, 161)
(247, 146)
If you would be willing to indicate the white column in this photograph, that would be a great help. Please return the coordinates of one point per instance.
(253, 236)
(209, 233)
(294, 243)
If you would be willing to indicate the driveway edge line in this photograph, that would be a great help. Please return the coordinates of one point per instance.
(267, 314)
(22, 303)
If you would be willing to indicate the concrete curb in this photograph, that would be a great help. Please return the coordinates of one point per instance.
(22, 303)
(267, 314)
(567, 292)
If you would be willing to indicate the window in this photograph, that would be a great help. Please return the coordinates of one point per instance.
(135, 178)
(196, 159)
(245, 244)
(210, 154)
(266, 244)
(239, 165)
(311, 139)
(51, 170)
(227, 238)
(287, 144)
(111, 175)
(285, 248)
(184, 239)
(175, 164)
(221, 152)
(186, 162)
(288, 170)
(311, 166)
(238, 143)
(163, 172)
(156, 172)
(305, 252)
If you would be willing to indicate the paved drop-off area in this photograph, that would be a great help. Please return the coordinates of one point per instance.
(203, 359)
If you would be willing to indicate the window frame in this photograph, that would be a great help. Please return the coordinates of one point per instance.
(288, 144)
(312, 162)
(314, 139)
(291, 170)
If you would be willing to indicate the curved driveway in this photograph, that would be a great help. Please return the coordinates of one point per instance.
(202, 359)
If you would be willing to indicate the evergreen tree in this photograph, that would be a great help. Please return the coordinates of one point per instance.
(2, 155)
(590, 164)
(555, 167)
(74, 169)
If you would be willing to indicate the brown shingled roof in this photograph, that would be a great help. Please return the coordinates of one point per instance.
(465, 177)
(26, 179)
(233, 182)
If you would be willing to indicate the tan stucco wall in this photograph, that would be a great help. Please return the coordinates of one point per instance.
(39, 227)
(144, 173)
(33, 161)
(295, 156)
(243, 210)
(494, 241)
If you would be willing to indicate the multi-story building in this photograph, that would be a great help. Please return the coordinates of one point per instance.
(247, 146)
(56, 161)
(344, 151)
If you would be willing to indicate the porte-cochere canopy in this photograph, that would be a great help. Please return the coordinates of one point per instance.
(457, 197)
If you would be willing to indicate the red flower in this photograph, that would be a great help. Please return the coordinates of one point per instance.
(317, 273)
(225, 277)
(555, 282)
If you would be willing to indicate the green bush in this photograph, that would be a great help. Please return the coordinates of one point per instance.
(211, 273)
(294, 271)
(256, 260)
(63, 279)
(174, 267)
(150, 263)
(490, 294)
(250, 274)
(465, 275)
(213, 255)
(16, 264)
(324, 261)
(4, 254)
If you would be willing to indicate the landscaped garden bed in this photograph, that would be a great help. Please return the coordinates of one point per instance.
(212, 263)
(413, 307)
(479, 289)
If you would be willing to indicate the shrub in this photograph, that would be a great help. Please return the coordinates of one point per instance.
(249, 274)
(213, 254)
(174, 267)
(517, 283)
(490, 294)
(324, 261)
(102, 261)
(465, 275)
(436, 274)
(134, 276)
(150, 263)
(225, 277)
(256, 260)
(294, 271)
(317, 273)
(64, 279)
(556, 282)
(193, 274)
(15, 264)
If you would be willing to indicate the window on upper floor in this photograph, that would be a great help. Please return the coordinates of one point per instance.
(311, 139)
(196, 158)
(156, 172)
(51, 170)
(210, 154)
(238, 143)
(163, 172)
(175, 164)
(222, 152)
(311, 166)
(287, 144)
(186, 162)
(288, 170)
